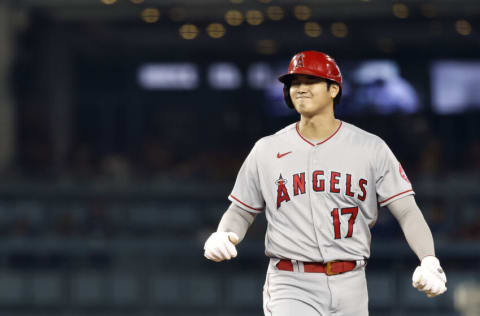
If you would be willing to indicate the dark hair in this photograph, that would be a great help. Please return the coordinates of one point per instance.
(336, 100)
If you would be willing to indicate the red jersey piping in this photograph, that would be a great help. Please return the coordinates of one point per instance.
(253, 208)
(298, 132)
(394, 196)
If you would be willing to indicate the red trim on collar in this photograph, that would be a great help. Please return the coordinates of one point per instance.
(298, 132)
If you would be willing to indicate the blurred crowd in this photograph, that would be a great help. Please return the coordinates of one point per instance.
(444, 171)
(107, 219)
(423, 149)
(170, 148)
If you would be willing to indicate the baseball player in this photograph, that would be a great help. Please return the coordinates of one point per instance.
(319, 182)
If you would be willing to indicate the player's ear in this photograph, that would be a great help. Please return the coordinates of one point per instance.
(334, 90)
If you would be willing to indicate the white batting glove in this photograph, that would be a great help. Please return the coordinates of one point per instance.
(221, 246)
(429, 277)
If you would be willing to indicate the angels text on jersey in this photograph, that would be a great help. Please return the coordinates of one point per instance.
(321, 181)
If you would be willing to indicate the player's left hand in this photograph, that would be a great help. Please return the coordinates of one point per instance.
(429, 277)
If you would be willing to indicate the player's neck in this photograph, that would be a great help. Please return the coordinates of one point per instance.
(318, 127)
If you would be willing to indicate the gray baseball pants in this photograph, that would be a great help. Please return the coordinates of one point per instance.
(299, 293)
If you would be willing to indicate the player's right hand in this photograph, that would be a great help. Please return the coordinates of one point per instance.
(221, 246)
(429, 277)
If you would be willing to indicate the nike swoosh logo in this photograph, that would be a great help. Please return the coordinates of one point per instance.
(279, 155)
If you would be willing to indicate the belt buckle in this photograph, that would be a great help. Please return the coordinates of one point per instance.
(329, 268)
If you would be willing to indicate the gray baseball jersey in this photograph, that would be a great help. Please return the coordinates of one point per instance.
(320, 199)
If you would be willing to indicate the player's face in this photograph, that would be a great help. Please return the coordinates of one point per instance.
(311, 96)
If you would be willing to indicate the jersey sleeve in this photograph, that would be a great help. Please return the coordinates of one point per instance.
(246, 192)
(391, 181)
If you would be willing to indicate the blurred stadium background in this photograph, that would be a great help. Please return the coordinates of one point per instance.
(123, 124)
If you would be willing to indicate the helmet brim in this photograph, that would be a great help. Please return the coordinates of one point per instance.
(299, 71)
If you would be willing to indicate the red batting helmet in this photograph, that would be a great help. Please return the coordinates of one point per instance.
(311, 63)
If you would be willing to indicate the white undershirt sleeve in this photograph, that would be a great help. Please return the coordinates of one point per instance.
(414, 226)
(236, 220)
